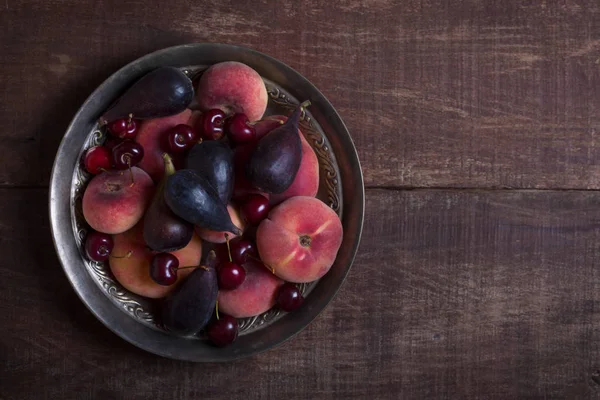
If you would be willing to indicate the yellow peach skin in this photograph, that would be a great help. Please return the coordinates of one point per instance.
(132, 269)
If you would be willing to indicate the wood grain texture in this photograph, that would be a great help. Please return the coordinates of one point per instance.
(459, 290)
(465, 294)
(436, 93)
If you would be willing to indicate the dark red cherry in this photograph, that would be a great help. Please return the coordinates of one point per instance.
(241, 250)
(289, 297)
(223, 331)
(163, 269)
(231, 276)
(98, 246)
(124, 128)
(180, 138)
(255, 208)
(239, 130)
(127, 154)
(97, 159)
(212, 124)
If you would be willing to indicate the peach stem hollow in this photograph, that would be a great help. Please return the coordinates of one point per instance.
(305, 241)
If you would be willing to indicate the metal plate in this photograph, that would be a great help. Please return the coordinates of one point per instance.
(131, 316)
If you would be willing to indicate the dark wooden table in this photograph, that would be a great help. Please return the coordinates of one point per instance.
(478, 127)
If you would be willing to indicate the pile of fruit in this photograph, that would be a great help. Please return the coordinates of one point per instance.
(170, 181)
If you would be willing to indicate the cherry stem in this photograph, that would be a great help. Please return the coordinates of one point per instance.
(192, 266)
(228, 247)
(262, 262)
(253, 123)
(129, 253)
(101, 169)
(130, 172)
(217, 309)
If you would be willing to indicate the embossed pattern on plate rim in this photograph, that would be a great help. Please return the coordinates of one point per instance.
(87, 288)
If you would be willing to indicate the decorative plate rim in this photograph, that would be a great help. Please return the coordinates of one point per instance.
(159, 342)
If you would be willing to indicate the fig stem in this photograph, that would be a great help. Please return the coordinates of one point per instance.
(169, 167)
(130, 172)
(228, 247)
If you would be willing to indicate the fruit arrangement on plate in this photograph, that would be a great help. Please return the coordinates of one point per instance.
(205, 205)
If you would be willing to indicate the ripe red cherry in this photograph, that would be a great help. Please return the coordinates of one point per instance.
(231, 276)
(239, 129)
(180, 138)
(163, 269)
(98, 246)
(212, 124)
(289, 297)
(124, 128)
(255, 208)
(127, 154)
(223, 331)
(97, 159)
(241, 249)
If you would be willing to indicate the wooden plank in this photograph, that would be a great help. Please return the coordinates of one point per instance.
(436, 94)
(454, 294)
